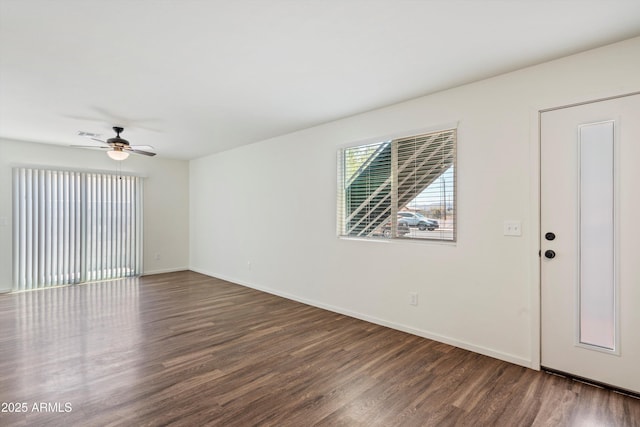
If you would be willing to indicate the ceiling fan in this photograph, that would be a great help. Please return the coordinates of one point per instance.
(119, 148)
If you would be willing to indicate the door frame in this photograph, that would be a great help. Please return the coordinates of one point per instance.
(535, 121)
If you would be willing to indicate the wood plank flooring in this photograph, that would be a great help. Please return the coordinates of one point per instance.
(185, 349)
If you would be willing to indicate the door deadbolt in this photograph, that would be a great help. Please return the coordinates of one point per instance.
(550, 236)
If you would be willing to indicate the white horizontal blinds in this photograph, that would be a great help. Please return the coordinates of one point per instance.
(426, 181)
(46, 230)
(414, 174)
(113, 226)
(365, 193)
(71, 227)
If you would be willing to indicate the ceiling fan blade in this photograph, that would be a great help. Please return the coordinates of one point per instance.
(88, 134)
(93, 147)
(92, 136)
(141, 147)
(146, 153)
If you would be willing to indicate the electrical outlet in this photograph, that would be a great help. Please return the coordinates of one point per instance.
(413, 298)
(248, 265)
(512, 228)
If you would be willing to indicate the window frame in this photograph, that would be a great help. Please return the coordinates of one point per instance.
(395, 209)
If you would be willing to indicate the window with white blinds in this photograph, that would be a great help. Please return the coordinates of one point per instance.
(72, 227)
(401, 188)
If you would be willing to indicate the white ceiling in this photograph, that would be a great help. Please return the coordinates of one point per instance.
(193, 77)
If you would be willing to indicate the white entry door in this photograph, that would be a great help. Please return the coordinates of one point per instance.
(590, 241)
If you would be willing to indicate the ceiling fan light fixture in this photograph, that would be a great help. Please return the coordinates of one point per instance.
(117, 154)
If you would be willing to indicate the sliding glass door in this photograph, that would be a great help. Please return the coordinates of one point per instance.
(72, 227)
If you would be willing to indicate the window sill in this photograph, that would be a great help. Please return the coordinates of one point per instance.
(402, 240)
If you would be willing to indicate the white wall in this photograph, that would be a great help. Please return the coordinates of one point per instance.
(272, 204)
(166, 199)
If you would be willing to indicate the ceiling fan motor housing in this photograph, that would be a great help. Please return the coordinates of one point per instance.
(117, 141)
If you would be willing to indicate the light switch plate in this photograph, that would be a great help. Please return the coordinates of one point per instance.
(512, 228)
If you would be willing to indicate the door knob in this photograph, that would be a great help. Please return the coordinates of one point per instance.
(549, 254)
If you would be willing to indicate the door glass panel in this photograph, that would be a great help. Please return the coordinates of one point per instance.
(597, 279)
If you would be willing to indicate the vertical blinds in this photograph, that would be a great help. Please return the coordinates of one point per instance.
(72, 227)
(414, 174)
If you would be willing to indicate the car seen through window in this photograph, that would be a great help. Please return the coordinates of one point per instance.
(414, 219)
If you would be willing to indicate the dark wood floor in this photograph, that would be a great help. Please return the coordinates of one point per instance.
(186, 349)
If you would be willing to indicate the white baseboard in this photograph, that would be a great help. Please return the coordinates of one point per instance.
(393, 325)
